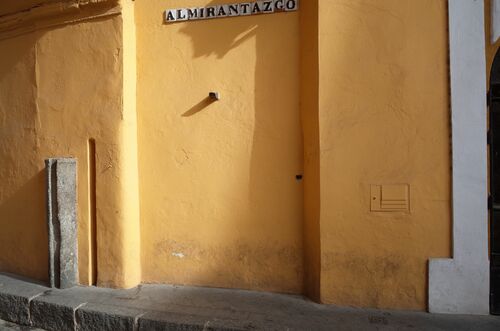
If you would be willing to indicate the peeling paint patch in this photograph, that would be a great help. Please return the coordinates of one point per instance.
(179, 255)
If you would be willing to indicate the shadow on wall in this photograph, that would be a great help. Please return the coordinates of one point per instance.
(273, 260)
(217, 41)
(23, 235)
(23, 238)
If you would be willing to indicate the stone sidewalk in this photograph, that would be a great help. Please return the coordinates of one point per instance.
(162, 307)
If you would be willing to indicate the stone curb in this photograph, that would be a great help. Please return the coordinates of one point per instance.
(26, 303)
(54, 312)
(168, 307)
(16, 295)
(107, 317)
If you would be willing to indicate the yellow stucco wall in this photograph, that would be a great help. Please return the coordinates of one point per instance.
(60, 87)
(348, 93)
(23, 238)
(220, 203)
(384, 119)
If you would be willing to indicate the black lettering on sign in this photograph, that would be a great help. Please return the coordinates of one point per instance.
(267, 7)
(222, 11)
(170, 16)
(279, 5)
(291, 5)
(211, 12)
(245, 9)
(233, 10)
(192, 13)
(256, 8)
(181, 15)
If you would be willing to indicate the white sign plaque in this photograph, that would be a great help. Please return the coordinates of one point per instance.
(231, 10)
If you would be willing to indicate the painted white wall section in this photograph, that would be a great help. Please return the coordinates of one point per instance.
(461, 285)
(495, 21)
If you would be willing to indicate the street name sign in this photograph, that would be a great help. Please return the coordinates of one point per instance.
(231, 10)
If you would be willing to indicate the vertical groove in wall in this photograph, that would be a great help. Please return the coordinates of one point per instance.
(449, 125)
(92, 211)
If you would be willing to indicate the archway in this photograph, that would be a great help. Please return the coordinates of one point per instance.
(494, 203)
